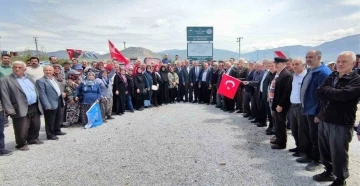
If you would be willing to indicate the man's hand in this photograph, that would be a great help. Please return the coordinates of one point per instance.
(279, 109)
(97, 101)
(316, 120)
(245, 82)
(72, 101)
(76, 99)
(138, 90)
(184, 84)
(191, 84)
(117, 92)
(358, 137)
(64, 95)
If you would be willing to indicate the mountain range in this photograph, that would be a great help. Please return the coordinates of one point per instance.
(329, 50)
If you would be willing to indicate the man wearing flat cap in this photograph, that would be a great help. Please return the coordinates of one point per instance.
(281, 102)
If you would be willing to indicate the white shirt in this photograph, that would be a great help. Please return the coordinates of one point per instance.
(55, 85)
(262, 80)
(296, 87)
(203, 78)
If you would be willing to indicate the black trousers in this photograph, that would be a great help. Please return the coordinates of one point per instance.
(239, 98)
(139, 100)
(155, 97)
(53, 120)
(27, 128)
(253, 107)
(246, 102)
(262, 112)
(314, 153)
(205, 93)
(119, 103)
(280, 126)
(229, 104)
(196, 90)
(188, 92)
(299, 127)
(2, 136)
(269, 114)
(213, 93)
(334, 142)
(165, 92)
(172, 92)
(180, 92)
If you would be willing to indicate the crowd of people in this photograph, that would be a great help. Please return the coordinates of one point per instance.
(317, 102)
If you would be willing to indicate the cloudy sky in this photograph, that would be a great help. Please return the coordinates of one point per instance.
(161, 24)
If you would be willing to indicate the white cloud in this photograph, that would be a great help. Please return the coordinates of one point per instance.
(44, 1)
(350, 2)
(353, 17)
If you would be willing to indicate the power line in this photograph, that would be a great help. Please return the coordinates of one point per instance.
(124, 44)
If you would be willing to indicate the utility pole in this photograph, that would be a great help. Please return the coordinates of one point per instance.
(36, 44)
(124, 44)
(239, 40)
(0, 46)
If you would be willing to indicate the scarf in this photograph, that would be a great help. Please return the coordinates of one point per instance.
(88, 83)
(123, 78)
(59, 77)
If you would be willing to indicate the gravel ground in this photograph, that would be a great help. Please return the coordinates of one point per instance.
(161, 146)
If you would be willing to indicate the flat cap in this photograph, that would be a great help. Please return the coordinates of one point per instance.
(357, 55)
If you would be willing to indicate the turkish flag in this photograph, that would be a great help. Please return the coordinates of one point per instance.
(114, 53)
(280, 54)
(70, 53)
(77, 53)
(228, 86)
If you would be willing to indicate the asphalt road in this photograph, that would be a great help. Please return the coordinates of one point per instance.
(181, 144)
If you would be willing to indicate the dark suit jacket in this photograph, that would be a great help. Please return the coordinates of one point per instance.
(249, 77)
(47, 94)
(267, 81)
(282, 91)
(220, 77)
(179, 73)
(193, 75)
(256, 82)
(242, 73)
(13, 98)
(186, 75)
(208, 76)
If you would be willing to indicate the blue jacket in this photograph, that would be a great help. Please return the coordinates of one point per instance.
(311, 102)
(89, 94)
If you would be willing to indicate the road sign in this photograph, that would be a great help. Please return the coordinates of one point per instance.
(200, 33)
(200, 58)
(200, 50)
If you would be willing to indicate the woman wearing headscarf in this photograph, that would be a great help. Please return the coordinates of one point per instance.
(173, 84)
(164, 89)
(103, 82)
(72, 108)
(120, 91)
(130, 89)
(139, 84)
(149, 83)
(111, 75)
(90, 93)
(58, 75)
(157, 82)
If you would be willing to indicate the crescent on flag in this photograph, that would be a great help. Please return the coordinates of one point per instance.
(231, 82)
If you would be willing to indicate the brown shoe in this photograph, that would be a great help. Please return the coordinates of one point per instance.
(24, 148)
(36, 142)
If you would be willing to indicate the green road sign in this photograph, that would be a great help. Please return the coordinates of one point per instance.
(200, 33)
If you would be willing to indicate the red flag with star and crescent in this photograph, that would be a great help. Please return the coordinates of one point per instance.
(115, 53)
(70, 53)
(228, 86)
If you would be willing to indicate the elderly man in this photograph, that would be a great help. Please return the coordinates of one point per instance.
(180, 91)
(74, 62)
(296, 115)
(219, 100)
(242, 73)
(255, 83)
(339, 95)
(229, 104)
(3, 152)
(21, 101)
(35, 71)
(215, 76)
(248, 91)
(186, 81)
(205, 84)
(263, 104)
(84, 64)
(52, 102)
(194, 81)
(316, 75)
(281, 102)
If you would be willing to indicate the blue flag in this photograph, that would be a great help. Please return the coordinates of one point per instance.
(94, 116)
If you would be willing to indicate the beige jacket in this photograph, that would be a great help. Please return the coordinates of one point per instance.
(173, 77)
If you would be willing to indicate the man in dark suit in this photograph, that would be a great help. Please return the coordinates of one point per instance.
(229, 105)
(215, 76)
(248, 91)
(255, 83)
(194, 80)
(281, 102)
(20, 100)
(242, 73)
(52, 102)
(205, 80)
(186, 81)
(219, 98)
(180, 90)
